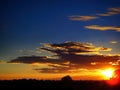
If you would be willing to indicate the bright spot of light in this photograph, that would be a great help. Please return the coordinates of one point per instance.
(108, 73)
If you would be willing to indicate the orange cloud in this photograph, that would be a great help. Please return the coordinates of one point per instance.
(108, 14)
(103, 28)
(82, 18)
(111, 11)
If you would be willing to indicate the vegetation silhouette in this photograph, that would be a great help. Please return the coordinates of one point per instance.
(66, 79)
(66, 83)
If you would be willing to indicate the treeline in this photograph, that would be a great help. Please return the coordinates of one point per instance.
(56, 84)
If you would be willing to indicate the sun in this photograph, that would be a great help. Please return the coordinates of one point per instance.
(108, 73)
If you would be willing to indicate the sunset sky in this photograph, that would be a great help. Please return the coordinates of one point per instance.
(48, 39)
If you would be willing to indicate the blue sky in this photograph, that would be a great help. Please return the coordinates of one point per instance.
(27, 23)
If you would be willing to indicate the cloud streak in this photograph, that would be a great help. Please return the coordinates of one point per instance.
(34, 59)
(111, 11)
(82, 18)
(73, 48)
(103, 28)
(113, 42)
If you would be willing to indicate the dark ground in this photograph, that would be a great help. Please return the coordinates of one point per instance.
(54, 85)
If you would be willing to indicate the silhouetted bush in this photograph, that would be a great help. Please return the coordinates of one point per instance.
(66, 78)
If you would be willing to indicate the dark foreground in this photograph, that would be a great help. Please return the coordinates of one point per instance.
(56, 85)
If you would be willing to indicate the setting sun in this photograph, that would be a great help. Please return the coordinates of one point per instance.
(108, 73)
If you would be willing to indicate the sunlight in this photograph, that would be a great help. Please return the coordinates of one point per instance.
(108, 73)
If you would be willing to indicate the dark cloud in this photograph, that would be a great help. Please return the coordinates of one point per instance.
(73, 48)
(70, 57)
(53, 70)
(34, 59)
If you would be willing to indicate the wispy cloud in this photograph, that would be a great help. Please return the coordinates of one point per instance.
(74, 48)
(103, 28)
(34, 59)
(108, 14)
(113, 42)
(82, 18)
(70, 57)
(111, 11)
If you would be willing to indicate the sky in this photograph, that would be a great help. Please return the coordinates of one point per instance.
(48, 39)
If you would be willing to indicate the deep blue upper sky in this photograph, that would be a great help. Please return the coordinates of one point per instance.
(25, 24)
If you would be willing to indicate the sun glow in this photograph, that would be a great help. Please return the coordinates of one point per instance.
(108, 73)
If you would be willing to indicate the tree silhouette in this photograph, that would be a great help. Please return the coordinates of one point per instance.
(66, 78)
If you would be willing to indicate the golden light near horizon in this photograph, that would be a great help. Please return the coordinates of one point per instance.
(108, 73)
